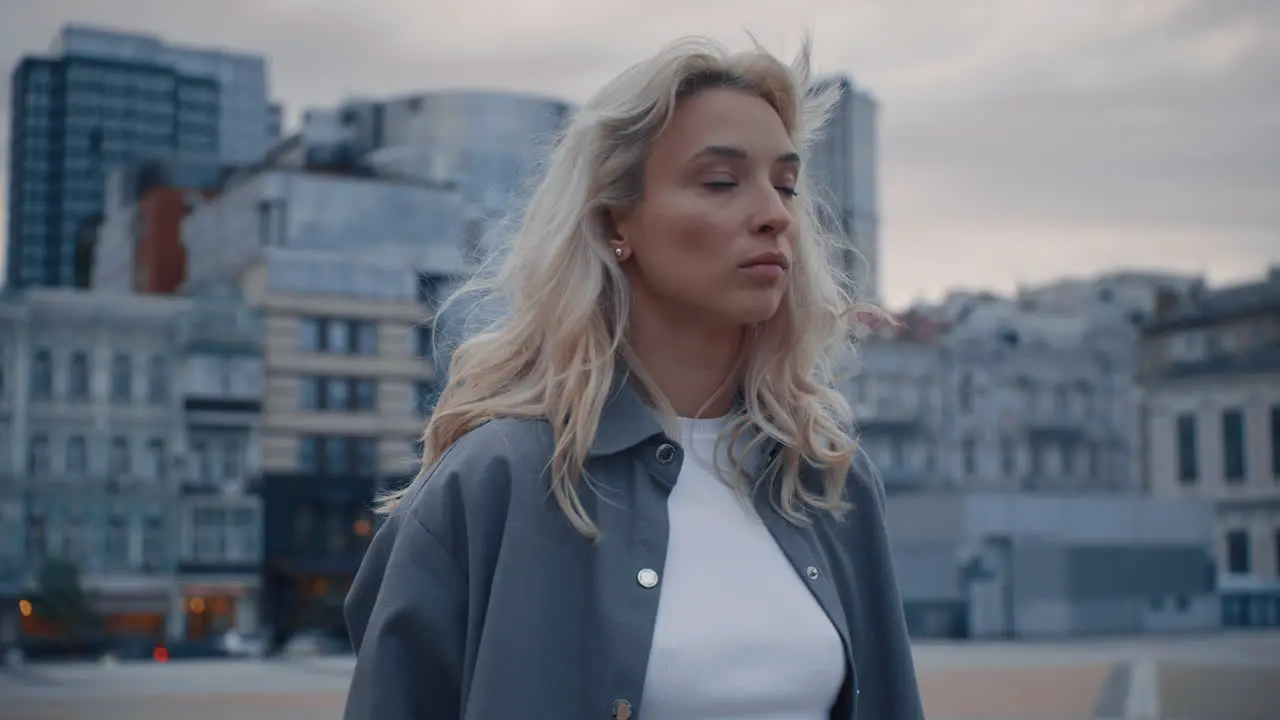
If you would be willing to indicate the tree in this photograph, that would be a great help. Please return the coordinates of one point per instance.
(60, 598)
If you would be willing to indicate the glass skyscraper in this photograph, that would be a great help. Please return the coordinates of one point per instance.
(104, 100)
(846, 167)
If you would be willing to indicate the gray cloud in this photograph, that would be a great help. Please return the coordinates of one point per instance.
(1020, 139)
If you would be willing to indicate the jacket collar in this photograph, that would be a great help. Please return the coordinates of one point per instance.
(626, 419)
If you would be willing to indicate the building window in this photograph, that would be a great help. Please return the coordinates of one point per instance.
(365, 393)
(1233, 446)
(121, 379)
(1061, 401)
(337, 393)
(38, 455)
(76, 452)
(309, 454)
(232, 451)
(155, 458)
(1276, 551)
(423, 346)
(78, 377)
(42, 375)
(1238, 560)
(208, 534)
(157, 380)
(338, 336)
(969, 454)
(119, 460)
(366, 334)
(116, 550)
(246, 539)
(1188, 457)
(965, 393)
(336, 455)
(204, 465)
(1275, 441)
(153, 542)
(1008, 457)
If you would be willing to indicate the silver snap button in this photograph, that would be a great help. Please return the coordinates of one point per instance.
(666, 453)
(621, 710)
(812, 572)
(647, 578)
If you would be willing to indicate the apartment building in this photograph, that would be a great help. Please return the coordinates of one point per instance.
(350, 377)
(219, 530)
(333, 264)
(896, 398)
(127, 436)
(1211, 376)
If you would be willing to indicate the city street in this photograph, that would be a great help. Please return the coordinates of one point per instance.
(1226, 677)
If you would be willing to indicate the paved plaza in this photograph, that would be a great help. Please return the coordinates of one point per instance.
(1222, 677)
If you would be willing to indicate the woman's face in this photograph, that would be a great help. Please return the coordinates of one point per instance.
(713, 237)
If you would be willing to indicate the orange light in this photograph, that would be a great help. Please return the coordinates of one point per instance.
(196, 605)
(24, 607)
(160, 654)
(362, 528)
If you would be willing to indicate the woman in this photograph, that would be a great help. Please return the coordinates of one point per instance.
(638, 498)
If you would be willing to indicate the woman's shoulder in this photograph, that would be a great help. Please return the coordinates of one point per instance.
(476, 479)
(863, 481)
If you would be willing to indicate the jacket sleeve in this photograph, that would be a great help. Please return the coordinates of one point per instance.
(406, 613)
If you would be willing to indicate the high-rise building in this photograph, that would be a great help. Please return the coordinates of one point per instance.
(845, 167)
(247, 122)
(102, 100)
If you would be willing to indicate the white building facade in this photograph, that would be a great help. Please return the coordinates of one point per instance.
(1211, 373)
(97, 449)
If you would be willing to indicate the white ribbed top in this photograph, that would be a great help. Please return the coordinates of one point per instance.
(738, 635)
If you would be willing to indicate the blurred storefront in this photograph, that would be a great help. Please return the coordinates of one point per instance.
(317, 530)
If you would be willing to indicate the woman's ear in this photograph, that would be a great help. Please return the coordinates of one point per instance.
(615, 225)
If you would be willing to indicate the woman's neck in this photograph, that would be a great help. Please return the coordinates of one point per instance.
(693, 365)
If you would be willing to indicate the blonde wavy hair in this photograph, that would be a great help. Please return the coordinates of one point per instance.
(553, 352)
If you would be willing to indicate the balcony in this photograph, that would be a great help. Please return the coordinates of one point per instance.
(233, 328)
(215, 404)
(889, 415)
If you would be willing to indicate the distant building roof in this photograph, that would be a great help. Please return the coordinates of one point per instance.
(1210, 307)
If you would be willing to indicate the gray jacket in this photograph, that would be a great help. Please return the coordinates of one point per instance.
(477, 600)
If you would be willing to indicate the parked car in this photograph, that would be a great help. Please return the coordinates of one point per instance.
(314, 643)
(243, 645)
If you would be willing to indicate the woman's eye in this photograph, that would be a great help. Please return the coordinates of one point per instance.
(720, 184)
(788, 191)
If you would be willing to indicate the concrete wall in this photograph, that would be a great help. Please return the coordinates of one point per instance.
(1016, 566)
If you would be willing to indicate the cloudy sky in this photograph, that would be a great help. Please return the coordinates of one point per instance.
(1021, 139)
